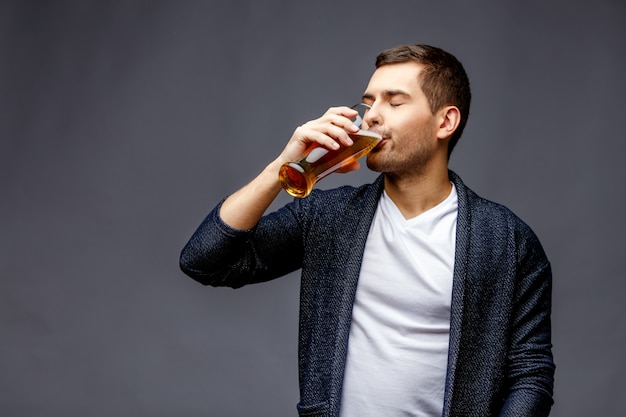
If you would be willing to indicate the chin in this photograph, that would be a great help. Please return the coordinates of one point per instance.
(374, 163)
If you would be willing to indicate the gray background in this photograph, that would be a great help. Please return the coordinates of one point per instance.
(123, 122)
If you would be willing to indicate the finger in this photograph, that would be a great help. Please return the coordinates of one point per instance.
(322, 138)
(344, 120)
(337, 133)
(343, 110)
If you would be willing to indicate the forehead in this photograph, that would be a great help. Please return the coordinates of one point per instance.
(393, 77)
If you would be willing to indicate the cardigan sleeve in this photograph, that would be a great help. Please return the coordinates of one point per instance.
(530, 363)
(219, 255)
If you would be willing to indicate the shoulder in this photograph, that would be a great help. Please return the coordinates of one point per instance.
(483, 210)
(491, 221)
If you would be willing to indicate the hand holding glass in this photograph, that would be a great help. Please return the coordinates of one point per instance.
(299, 177)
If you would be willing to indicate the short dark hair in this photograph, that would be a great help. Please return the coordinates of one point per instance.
(443, 79)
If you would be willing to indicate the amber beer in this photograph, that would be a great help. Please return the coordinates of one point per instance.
(299, 177)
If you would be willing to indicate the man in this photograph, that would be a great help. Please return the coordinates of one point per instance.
(418, 298)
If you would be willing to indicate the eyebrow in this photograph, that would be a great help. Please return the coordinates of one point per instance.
(387, 94)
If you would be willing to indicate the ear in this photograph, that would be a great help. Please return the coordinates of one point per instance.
(449, 120)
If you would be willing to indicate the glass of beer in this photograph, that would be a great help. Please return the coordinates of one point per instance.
(299, 177)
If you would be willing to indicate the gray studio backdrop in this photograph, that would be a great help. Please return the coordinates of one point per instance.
(123, 122)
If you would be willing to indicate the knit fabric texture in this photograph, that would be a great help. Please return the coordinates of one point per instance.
(500, 354)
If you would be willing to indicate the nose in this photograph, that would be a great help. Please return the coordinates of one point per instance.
(372, 117)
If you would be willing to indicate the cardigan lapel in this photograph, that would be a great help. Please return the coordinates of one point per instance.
(364, 212)
(462, 247)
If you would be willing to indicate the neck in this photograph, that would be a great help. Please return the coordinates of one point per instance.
(416, 194)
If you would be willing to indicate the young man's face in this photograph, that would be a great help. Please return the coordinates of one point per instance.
(401, 114)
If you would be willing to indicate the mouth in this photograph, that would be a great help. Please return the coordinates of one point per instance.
(381, 143)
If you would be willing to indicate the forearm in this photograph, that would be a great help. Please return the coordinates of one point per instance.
(243, 209)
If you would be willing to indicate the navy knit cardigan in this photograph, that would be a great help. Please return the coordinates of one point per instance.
(500, 353)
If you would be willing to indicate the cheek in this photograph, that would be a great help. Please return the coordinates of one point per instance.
(410, 133)
(421, 130)
(411, 122)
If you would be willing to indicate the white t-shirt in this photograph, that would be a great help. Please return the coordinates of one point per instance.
(398, 345)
